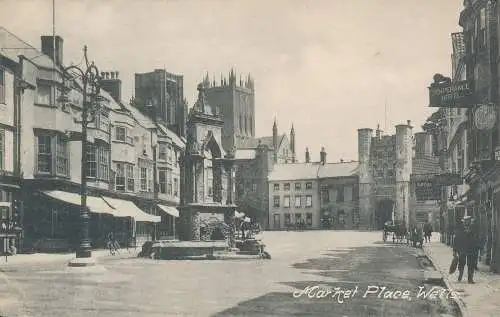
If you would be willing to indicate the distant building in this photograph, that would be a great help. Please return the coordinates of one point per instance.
(162, 92)
(396, 177)
(235, 101)
(318, 195)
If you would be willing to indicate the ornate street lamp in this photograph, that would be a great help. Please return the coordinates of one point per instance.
(90, 80)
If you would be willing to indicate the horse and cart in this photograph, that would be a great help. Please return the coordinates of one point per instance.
(400, 233)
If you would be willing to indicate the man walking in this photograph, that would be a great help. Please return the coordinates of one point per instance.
(465, 247)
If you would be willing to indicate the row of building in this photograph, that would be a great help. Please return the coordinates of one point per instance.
(466, 127)
(136, 159)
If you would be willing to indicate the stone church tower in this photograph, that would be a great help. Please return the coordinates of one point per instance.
(234, 100)
(206, 171)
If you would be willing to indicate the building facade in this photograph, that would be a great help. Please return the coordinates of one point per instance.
(471, 132)
(396, 177)
(132, 177)
(314, 195)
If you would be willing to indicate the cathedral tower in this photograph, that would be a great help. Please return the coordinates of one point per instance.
(234, 100)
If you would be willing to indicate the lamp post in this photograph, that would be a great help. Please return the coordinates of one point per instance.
(90, 80)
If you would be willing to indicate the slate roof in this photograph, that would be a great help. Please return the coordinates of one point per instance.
(11, 47)
(306, 171)
(338, 169)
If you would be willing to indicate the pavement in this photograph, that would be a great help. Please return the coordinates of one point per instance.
(311, 273)
(44, 258)
(479, 299)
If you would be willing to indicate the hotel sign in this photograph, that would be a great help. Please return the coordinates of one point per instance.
(451, 95)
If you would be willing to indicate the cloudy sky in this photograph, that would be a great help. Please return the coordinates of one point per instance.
(327, 66)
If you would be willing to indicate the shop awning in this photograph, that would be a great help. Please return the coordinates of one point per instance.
(11, 186)
(126, 208)
(172, 211)
(95, 204)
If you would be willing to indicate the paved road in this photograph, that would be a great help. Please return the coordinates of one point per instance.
(142, 287)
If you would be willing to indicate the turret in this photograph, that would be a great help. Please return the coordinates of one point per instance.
(364, 144)
(275, 141)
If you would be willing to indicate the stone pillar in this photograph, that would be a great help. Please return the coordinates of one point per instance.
(195, 226)
(217, 185)
(229, 173)
(200, 181)
(189, 225)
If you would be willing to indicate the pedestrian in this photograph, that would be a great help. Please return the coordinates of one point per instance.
(466, 246)
(111, 243)
(427, 232)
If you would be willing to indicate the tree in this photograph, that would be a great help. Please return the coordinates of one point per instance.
(434, 125)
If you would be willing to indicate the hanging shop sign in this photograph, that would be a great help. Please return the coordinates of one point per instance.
(451, 95)
(485, 117)
(447, 179)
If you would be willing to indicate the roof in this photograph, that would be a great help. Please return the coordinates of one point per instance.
(343, 169)
(11, 47)
(174, 137)
(265, 140)
(294, 171)
(425, 165)
(244, 154)
(305, 171)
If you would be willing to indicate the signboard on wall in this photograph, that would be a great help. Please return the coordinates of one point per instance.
(427, 190)
(451, 95)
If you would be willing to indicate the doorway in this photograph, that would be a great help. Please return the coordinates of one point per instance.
(383, 212)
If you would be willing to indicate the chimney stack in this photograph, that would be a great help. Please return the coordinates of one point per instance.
(308, 156)
(322, 156)
(49, 43)
(112, 84)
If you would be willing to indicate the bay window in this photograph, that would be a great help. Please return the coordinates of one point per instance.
(52, 155)
(98, 161)
(130, 178)
(124, 177)
(144, 179)
(145, 175)
(162, 151)
(44, 94)
(104, 122)
(120, 177)
(165, 180)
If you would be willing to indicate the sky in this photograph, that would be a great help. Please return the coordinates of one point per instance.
(329, 67)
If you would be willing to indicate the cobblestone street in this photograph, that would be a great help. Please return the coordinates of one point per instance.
(142, 287)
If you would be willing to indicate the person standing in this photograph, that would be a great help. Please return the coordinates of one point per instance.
(427, 232)
(465, 247)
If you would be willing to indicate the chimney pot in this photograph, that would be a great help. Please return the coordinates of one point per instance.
(409, 122)
(117, 73)
(112, 75)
